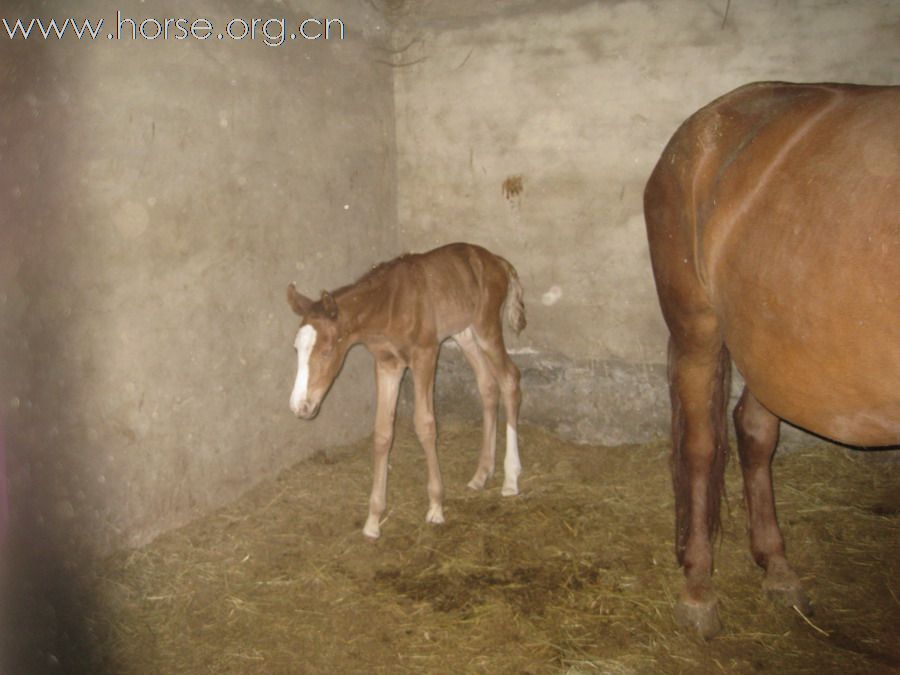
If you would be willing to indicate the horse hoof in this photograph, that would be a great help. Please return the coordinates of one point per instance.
(475, 484)
(788, 594)
(435, 516)
(782, 585)
(372, 530)
(701, 617)
(510, 488)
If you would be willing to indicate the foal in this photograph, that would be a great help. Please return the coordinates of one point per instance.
(401, 311)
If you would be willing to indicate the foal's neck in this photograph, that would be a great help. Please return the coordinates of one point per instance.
(364, 309)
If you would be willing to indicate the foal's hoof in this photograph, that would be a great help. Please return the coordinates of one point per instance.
(787, 591)
(702, 617)
(435, 515)
(476, 484)
(510, 485)
(372, 530)
(511, 480)
(480, 479)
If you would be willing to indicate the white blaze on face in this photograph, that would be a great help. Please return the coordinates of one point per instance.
(306, 339)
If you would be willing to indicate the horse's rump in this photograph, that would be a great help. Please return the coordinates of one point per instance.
(790, 198)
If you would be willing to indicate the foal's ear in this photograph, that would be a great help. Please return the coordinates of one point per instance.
(329, 305)
(298, 302)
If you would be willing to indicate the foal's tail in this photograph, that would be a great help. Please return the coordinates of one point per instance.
(515, 307)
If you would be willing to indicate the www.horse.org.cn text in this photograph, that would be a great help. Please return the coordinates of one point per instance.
(273, 32)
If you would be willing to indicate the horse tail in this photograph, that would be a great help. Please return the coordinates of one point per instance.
(681, 478)
(514, 306)
(719, 410)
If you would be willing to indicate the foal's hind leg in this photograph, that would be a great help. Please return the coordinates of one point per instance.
(424, 362)
(490, 395)
(757, 435)
(490, 340)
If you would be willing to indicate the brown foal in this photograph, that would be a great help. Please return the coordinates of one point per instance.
(401, 311)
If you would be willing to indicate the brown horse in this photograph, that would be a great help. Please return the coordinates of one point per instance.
(773, 219)
(401, 311)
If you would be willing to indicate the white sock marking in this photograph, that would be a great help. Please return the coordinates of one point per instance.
(512, 466)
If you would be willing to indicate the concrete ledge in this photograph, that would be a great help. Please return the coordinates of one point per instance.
(585, 401)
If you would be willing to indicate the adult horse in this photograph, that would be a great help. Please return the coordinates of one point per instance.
(773, 218)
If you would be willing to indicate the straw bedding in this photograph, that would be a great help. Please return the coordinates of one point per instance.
(576, 575)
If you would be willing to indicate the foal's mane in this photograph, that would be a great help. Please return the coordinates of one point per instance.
(374, 276)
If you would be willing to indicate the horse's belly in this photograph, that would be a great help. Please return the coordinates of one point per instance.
(825, 360)
(862, 420)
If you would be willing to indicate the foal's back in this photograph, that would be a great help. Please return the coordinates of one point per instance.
(447, 289)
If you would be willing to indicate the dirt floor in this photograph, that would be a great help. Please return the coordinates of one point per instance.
(576, 575)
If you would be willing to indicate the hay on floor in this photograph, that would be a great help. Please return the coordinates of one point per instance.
(576, 575)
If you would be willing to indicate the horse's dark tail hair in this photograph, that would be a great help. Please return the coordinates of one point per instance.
(680, 470)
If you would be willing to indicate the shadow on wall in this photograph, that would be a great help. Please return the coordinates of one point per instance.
(44, 562)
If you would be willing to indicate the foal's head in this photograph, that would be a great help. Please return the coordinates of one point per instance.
(320, 351)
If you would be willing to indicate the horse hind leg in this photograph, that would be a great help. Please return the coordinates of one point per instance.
(490, 396)
(757, 436)
(698, 380)
(490, 340)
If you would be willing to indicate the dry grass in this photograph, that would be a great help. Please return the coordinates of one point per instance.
(576, 575)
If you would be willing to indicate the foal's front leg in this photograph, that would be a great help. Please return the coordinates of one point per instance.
(388, 374)
(424, 362)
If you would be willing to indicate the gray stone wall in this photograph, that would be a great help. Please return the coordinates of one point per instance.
(157, 199)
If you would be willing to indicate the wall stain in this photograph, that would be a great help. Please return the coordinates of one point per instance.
(512, 186)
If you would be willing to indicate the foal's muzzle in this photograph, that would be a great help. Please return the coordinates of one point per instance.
(305, 410)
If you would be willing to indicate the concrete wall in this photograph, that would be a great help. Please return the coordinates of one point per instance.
(157, 199)
(578, 99)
